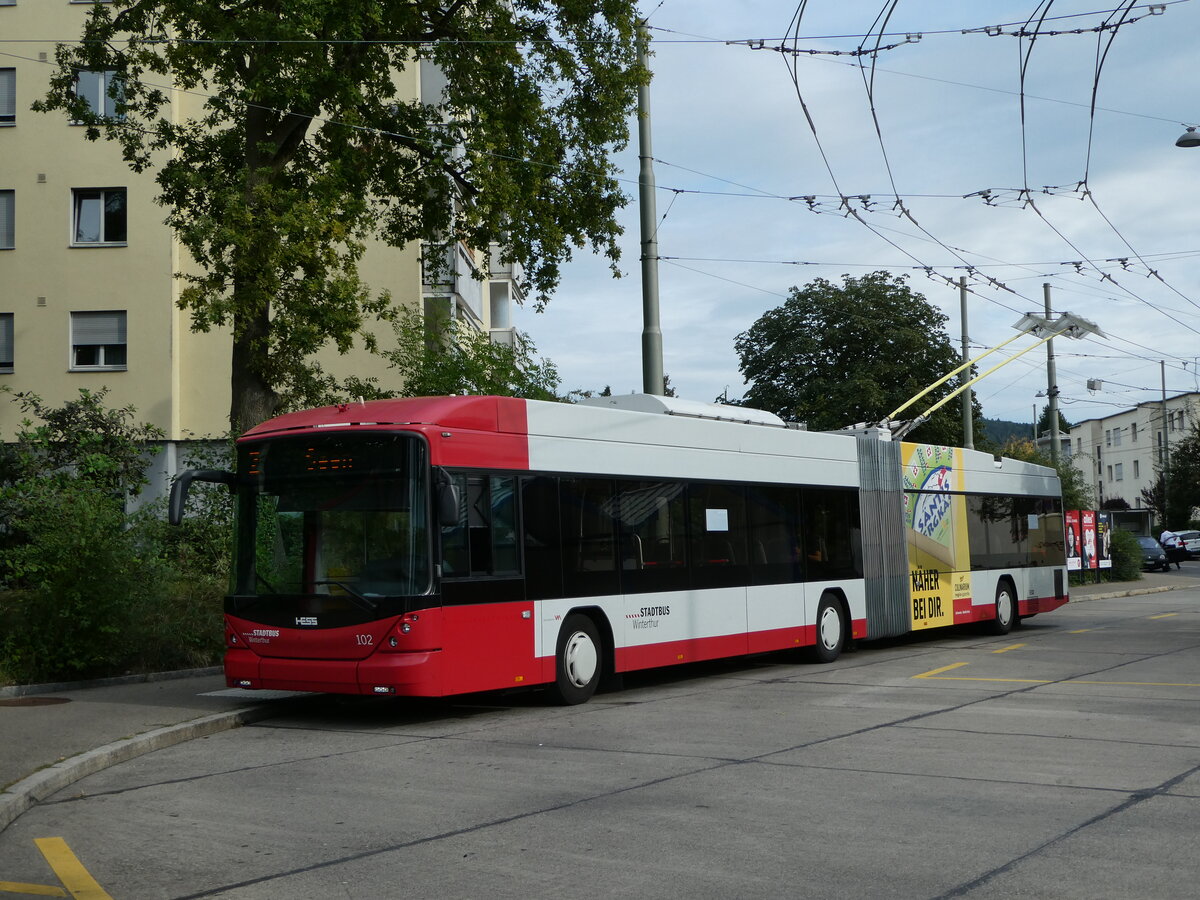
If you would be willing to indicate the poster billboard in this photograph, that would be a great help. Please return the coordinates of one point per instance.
(1089, 539)
(1103, 540)
(1074, 540)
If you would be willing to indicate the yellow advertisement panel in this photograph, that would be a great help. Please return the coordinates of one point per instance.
(936, 528)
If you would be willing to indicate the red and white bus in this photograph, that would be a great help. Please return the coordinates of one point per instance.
(447, 545)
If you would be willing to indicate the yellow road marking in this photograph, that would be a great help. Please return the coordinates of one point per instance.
(939, 671)
(1009, 647)
(936, 675)
(40, 890)
(1079, 631)
(70, 870)
(1164, 616)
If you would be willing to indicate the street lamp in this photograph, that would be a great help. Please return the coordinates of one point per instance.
(1189, 138)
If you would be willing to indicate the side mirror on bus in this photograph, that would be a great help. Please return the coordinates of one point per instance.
(447, 497)
(183, 481)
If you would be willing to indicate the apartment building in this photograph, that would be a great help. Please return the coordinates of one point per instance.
(88, 293)
(1121, 454)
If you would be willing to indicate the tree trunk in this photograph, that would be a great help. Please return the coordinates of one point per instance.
(253, 398)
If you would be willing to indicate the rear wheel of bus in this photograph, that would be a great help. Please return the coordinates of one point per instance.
(831, 630)
(1006, 608)
(578, 664)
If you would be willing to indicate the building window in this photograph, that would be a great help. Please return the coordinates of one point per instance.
(1110, 473)
(6, 342)
(1119, 472)
(1116, 437)
(98, 340)
(101, 90)
(8, 226)
(1133, 431)
(8, 96)
(1136, 469)
(1108, 437)
(99, 216)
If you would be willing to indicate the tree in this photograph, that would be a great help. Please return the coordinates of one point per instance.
(1076, 490)
(303, 148)
(1182, 480)
(457, 359)
(1042, 428)
(834, 355)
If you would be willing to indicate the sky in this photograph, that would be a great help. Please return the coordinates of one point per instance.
(959, 104)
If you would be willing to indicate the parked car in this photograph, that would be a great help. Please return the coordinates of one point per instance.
(1191, 543)
(1153, 554)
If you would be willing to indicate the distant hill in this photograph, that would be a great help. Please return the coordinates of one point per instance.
(1000, 430)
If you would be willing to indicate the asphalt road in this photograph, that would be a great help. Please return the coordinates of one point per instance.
(1062, 760)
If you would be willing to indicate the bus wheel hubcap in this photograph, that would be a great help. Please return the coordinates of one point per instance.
(579, 659)
(831, 628)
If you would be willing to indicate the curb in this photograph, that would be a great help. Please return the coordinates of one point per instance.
(29, 791)
(1133, 592)
(24, 690)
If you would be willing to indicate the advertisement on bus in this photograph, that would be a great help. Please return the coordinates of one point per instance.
(936, 526)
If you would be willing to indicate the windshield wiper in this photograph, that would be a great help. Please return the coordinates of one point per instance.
(369, 605)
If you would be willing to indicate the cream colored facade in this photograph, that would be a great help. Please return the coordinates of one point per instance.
(1120, 454)
(53, 274)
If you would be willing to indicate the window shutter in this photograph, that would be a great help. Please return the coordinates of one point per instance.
(89, 329)
(8, 95)
(6, 340)
(7, 223)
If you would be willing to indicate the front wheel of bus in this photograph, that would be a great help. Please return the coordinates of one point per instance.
(578, 665)
(1006, 609)
(831, 630)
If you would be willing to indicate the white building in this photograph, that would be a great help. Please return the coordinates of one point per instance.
(1121, 454)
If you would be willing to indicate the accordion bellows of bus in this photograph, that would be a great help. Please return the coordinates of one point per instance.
(447, 545)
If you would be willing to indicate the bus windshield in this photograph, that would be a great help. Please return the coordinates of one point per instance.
(340, 520)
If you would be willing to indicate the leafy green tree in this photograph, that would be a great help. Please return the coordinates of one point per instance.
(303, 147)
(1182, 480)
(82, 439)
(1076, 489)
(833, 355)
(1043, 423)
(454, 359)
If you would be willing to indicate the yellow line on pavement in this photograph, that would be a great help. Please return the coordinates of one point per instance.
(936, 675)
(1079, 631)
(39, 890)
(1164, 616)
(1009, 647)
(70, 870)
(939, 671)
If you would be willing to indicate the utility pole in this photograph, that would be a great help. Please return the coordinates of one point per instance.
(1051, 385)
(652, 358)
(1166, 441)
(968, 412)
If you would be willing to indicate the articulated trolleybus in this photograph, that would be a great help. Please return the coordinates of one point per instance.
(447, 545)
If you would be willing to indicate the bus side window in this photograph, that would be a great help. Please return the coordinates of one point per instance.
(543, 538)
(455, 553)
(776, 554)
(589, 536)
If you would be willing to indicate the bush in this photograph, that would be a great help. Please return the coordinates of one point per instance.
(1126, 556)
(86, 589)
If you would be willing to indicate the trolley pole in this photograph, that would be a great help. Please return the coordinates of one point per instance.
(968, 412)
(652, 357)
